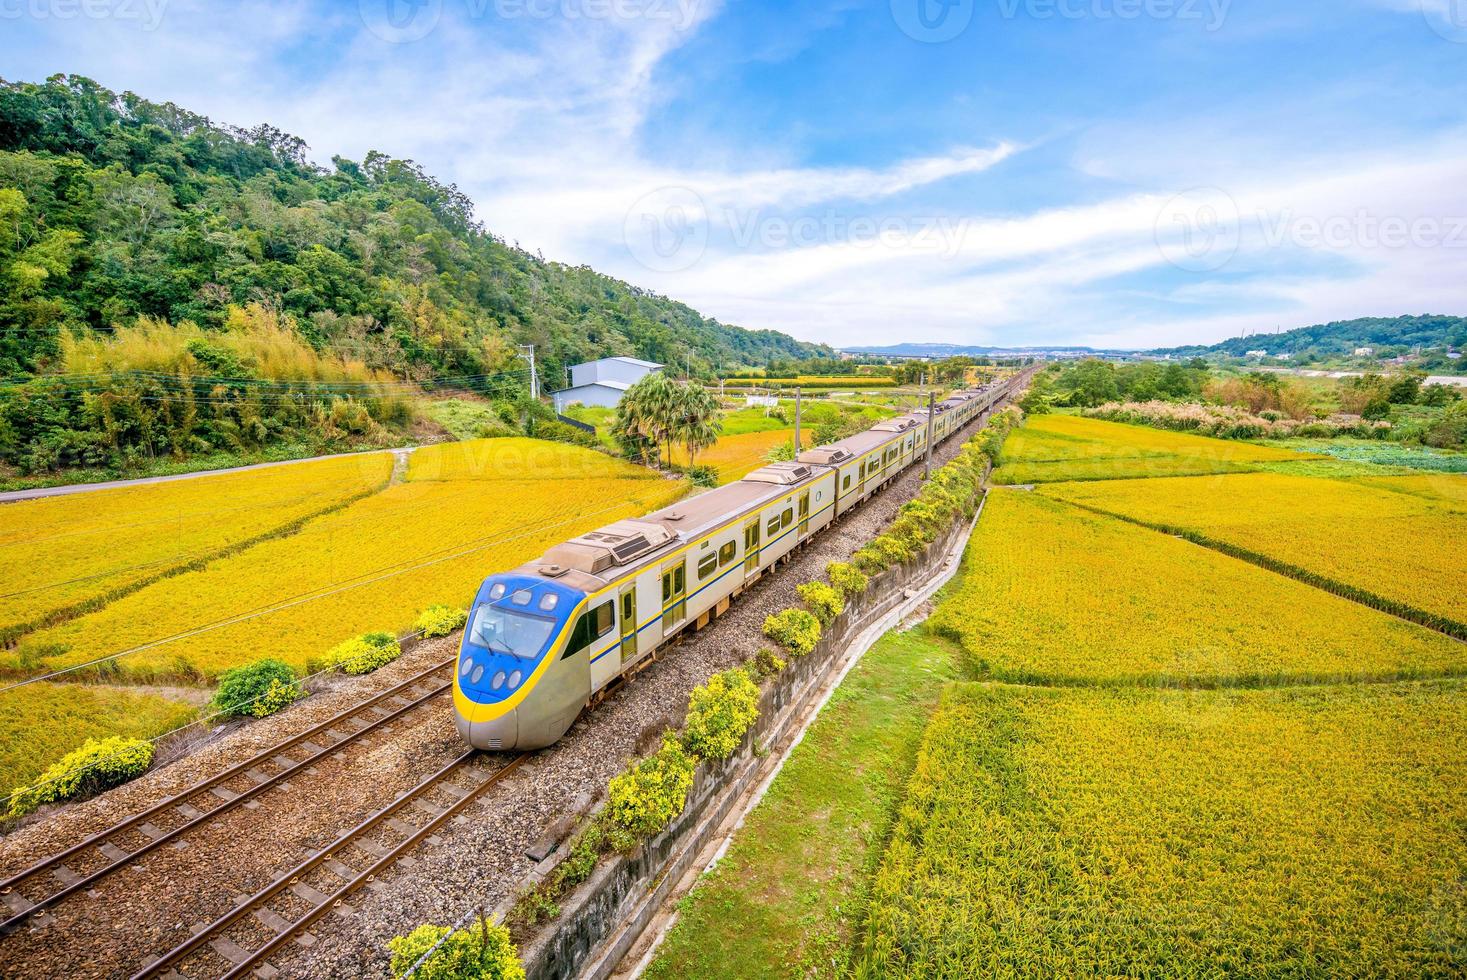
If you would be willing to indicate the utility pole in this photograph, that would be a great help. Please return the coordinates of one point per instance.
(534, 379)
(797, 421)
(927, 456)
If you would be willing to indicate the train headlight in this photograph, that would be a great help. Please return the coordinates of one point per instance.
(468, 666)
(514, 680)
(478, 673)
(498, 681)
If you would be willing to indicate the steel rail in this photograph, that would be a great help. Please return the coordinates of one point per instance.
(180, 799)
(328, 901)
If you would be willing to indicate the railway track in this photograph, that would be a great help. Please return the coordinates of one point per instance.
(243, 939)
(82, 865)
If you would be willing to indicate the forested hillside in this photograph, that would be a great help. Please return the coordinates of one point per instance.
(116, 211)
(1344, 336)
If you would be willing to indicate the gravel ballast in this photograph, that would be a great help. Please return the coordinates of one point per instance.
(471, 864)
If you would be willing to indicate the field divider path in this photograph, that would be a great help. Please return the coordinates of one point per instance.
(1391, 607)
(321, 901)
(109, 843)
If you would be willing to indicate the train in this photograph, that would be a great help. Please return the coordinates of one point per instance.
(544, 640)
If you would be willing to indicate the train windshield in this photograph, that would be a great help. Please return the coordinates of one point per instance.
(506, 631)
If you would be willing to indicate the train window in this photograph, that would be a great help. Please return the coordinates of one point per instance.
(727, 553)
(666, 588)
(846, 483)
(627, 602)
(707, 565)
(773, 524)
(787, 518)
(605, 618)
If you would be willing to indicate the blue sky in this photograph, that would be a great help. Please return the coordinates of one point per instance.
(1108, 172)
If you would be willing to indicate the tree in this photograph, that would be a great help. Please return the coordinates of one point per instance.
(697, 425)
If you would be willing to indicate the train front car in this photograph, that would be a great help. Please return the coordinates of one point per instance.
(512, 689)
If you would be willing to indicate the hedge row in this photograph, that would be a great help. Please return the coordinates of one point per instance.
(953, 492)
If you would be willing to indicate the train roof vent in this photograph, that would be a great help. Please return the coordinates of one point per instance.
(782, 474)
(824, 455)
(895, 425)
(616, 544)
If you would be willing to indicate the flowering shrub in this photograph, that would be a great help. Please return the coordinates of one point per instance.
(440, 621)
(364, 654)
(765, 663)
(794, 629)
(825, 602)
(1229, 422)
(99, 764)
(256, 689)
(719, 713)
(644, 799)
(849, 579)
(480, 952)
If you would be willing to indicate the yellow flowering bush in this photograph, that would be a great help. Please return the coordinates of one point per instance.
(849, 579)
(644, 799)
(364, 654)
(99, 764)
(824, 601)
(719, 713)
(765, 663)
(483, 951)
(794, 629)
(439, 620)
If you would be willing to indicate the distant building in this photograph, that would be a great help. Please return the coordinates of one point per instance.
(1283, 357)
(602, 383)
(1364, 351)
(1257, 353)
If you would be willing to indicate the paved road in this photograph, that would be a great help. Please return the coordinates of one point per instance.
(15, 496)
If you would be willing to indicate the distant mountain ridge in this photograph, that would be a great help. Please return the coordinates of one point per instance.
(1341, 337)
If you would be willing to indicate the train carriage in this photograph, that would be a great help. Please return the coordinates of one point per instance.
(543, 639)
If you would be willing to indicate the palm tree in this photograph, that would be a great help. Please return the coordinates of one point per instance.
(697, 420)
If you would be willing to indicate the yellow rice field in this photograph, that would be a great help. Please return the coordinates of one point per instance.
(1406, 548)
(42, 722)
(736, 456)
(58, 553)
(373, 565)
(1052, 448)
(1055, 594)
(1303, 832)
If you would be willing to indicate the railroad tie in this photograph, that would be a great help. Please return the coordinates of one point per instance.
(111, 851)
(188, 812)
(271, 919)
(308, 893)
(230, 950)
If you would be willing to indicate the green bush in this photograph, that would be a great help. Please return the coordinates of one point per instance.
(794, 629)
(256, 689)
(479, 952)
(871, 560)
(99, 764)
(848, 578)
(440, 621)
(644, 799)
(824, 601)
(719, 713)
(765, 663)
(364, 654)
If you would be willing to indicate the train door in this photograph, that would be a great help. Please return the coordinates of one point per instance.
(674, 595)
(804, 513)
(751, 546)
(629, 624)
